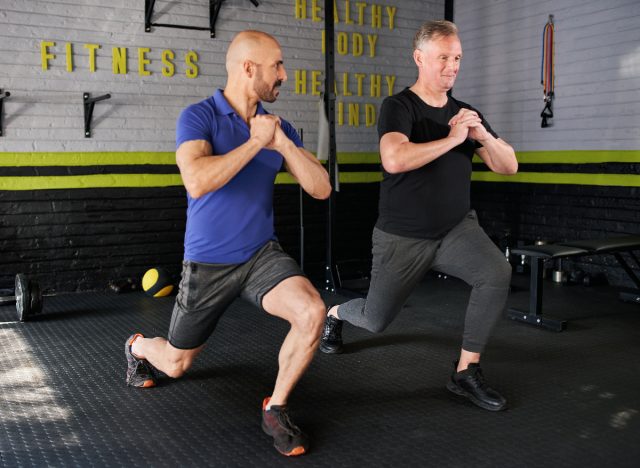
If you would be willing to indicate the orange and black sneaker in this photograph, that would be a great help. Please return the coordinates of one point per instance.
(139, 371)
(288, 439)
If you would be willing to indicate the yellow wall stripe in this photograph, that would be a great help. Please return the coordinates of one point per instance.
(285, 178)
(358, 158)
(141, 180)
(345, 177)
(129, 158)
(575, 157)
(615, 180)
(527, 157)
(43, 159)
(360, 177)
(40, 159)
(89, 181)
(169, 180)
(86, 159)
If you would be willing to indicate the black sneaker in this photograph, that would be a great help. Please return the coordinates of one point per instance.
(470, 384)
(139, 371)
(288, 439)
(331, 340)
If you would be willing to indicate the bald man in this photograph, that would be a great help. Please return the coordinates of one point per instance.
(229, 150)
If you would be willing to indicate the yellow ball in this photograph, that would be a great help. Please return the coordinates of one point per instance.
(157, 283)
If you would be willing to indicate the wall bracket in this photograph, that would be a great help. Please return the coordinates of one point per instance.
(6, 94)
(89, 104)
(214, 9)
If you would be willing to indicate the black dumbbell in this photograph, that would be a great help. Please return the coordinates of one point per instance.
(28, 298)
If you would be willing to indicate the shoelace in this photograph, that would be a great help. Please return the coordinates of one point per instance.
(285, 422)
(477, 378)
(331, 329)
(145, 369)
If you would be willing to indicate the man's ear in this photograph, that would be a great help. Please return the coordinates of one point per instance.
(417, 57)
(248, 67)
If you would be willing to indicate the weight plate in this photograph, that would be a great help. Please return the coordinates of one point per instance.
(36, 298)
(23, 299)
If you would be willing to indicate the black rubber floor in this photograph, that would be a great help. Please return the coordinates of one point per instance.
(574, 396)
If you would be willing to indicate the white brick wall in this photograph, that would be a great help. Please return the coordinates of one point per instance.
(597, 93)
(45, 112)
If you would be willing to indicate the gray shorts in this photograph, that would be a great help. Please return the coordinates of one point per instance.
(207, 290)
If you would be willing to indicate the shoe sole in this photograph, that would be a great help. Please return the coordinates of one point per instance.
(296, 451)
(331, 350)
(146, 384)
(454, 389)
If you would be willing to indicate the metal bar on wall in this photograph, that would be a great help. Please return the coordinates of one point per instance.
(214, 10)
(4, 95)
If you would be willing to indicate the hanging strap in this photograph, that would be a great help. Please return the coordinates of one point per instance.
(547, 75)
(548, 60)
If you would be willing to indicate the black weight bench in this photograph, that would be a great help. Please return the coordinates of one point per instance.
(539, 253)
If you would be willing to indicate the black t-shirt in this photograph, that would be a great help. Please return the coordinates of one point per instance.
(426, 202)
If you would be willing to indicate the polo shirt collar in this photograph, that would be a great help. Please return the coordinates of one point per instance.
(223, 106)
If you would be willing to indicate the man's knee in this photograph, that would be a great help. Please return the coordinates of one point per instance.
(372, 315)
(376, 325)
(496, 275)
(502, 274)
(378, 320)
(310, 316)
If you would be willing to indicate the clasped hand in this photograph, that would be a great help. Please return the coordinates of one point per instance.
(266, 130)
(467, 124)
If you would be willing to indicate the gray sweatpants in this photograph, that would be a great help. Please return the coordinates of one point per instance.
(399, 263)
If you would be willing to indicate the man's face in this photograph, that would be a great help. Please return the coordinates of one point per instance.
(270, 74)
(438, 61)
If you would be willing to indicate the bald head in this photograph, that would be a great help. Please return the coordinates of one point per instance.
(255, 68)
(248, 45)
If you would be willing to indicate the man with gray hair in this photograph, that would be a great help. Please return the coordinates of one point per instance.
(427, 141)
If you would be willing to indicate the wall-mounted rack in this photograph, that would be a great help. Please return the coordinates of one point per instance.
(89, 104)
(214, 9)
(6, 94)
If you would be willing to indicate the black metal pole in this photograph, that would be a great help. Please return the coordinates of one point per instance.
(448, 15)
(448, 10)
(301, 205)
(329, 102)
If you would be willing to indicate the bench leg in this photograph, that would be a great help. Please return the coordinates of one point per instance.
(534, 316)
(627, 268)
(632, 295)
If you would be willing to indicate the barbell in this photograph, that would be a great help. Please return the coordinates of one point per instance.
(27, 297)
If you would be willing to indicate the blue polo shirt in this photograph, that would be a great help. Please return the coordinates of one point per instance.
(232, 223)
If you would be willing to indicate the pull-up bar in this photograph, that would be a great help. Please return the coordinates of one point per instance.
(214, 9)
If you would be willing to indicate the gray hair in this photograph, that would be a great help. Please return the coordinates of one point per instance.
(433, 29)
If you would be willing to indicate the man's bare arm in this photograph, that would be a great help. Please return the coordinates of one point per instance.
(202, 172)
